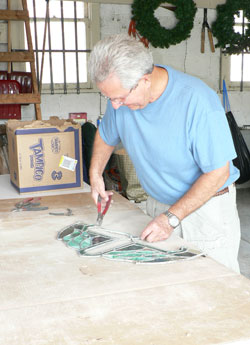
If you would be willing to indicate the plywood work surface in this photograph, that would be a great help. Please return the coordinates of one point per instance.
(50, 295)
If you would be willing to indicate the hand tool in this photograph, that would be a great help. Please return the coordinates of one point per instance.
(210, 35)
(101, 213)
(30, 204)
(35, 208)
(68, 213)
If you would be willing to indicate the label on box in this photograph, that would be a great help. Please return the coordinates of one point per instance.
(68, 163)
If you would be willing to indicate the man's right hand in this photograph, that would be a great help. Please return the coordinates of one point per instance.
(98, 187)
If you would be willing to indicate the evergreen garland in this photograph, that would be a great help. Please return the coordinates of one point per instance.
(230, 41)
(149, 26)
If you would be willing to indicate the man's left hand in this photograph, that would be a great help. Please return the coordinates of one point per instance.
(157, 230)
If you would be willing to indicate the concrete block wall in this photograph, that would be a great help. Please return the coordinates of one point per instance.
(61, 105)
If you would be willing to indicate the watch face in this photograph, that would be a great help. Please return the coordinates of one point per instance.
(174, 221)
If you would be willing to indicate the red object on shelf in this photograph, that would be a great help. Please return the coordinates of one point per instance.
(24, 79)
(3, 75)
(78, 117)
(10, 111)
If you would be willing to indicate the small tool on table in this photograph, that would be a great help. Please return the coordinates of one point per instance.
(209, 31)
(67, 213)
(101, 213)
(30, 204)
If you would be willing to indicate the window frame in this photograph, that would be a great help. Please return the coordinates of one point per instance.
(92, 21)
(226, 70)
(225, 74)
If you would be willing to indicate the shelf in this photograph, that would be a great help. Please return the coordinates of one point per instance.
(14, 15)
(20, 56)
(23, 98)
(17, 57)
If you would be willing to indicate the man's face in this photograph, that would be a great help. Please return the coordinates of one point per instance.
(135, 98)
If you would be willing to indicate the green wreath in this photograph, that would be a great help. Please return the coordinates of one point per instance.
(150, 27)
(230, 41)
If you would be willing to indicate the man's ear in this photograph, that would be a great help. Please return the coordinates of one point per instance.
(147, 80)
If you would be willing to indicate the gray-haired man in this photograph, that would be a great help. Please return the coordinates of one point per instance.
(174, 129)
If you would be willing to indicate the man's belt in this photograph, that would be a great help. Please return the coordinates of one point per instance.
(221, 192)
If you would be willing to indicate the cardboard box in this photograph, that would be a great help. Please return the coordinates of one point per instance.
(35, 152)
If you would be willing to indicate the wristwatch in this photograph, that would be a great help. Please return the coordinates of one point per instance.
(173, 220)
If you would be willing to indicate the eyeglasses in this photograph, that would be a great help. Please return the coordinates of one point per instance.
(121, 100)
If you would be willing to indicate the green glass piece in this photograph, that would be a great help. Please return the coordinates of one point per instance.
(133, 253)
(132, 258)
(138, 255)
(85, 243)
(145, 254)
(78, 240)
(70, 236)
(78, 230)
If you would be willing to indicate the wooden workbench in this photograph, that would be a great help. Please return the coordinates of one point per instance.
(51, 296)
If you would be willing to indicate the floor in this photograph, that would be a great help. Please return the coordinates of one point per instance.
(243, 203)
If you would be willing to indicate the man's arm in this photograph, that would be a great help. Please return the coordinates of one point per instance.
(100, 156)
(202, 190)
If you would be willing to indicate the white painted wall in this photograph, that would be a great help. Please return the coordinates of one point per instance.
(61, 105)
(185, 56)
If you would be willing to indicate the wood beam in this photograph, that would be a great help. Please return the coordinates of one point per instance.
(199, 3)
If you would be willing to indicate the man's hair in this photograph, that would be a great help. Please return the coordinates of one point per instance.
(122, 56)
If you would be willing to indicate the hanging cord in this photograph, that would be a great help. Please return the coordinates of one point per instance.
(133, 32)
(44, 42)
(226, 103)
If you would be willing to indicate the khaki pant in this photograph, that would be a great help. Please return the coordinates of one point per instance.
(214, 228)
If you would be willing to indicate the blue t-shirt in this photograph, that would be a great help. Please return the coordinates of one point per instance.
(175, 139)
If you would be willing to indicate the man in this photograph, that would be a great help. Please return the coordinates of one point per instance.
(175, 131)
